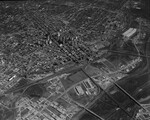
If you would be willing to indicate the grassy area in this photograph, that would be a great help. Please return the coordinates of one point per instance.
(73, 79)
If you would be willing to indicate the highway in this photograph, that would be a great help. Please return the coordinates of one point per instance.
(134, 76)
(70, 69)
(147, 84)
(88, 110)
(118, 105)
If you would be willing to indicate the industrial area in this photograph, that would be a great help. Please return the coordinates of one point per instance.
(74, 60)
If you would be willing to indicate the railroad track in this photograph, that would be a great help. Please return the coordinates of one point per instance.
(46, 30)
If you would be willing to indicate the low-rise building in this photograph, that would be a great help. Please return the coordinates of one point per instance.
(89, 83)
(79, 90)
(129, 33)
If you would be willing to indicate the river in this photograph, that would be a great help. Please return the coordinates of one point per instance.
(136, 84)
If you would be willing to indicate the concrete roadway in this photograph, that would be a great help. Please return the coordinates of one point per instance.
(72, 68)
